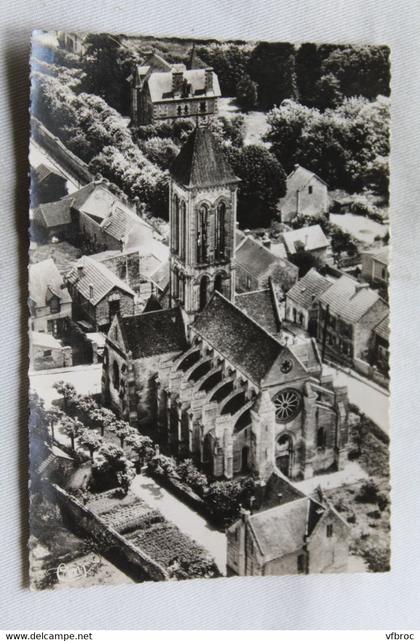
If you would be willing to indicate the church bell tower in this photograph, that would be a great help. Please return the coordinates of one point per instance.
(202, 217)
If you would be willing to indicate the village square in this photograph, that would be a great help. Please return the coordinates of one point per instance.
(209, 317)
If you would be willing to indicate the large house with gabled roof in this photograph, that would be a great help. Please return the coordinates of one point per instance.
(208, 377)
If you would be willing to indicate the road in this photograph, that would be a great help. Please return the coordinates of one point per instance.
(191, 523)
(372, 399)
(85, 378)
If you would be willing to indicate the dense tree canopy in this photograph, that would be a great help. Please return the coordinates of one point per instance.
(229, 61)
(272, 67)
(263, 183)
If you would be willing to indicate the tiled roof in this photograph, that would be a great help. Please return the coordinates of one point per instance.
(161, 276)
(98, 276)
(120, 223)
(54, 214)
(311, 238)
(254, 257)
(44, 340)
(382, 328)
(44, 280)
(201, 162)
(298, 180)
(152, 304)
(282, 530)
(381, 255)
(308, 289)
(41, 172)
(153, 333)
(276, 491)
(260, 306)
(160, 85)
(237, 337)
(347, 299)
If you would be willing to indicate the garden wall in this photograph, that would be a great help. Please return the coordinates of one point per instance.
(95, 526)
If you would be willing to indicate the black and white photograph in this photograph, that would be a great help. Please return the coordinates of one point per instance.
(208, 309)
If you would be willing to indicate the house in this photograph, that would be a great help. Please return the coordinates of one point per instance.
(379, 355)
(49, 300)
(306, 195)
(302, 301)
(98, 294)
(206, 377)
(309, 239)
(164, 92)
(299, 535)
(46, 352)
(375, 266)
(256, 264)
(46, 185)
(348, 313)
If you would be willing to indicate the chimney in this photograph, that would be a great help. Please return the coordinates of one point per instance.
(80, 271)
(266, 242)
(90, 290)
(177, 80)
(208, 79)
(359, 287)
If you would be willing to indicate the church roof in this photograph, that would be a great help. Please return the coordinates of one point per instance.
(201, 162)
(308, 289)
(154, 333)
(260, 306)
(237, 337)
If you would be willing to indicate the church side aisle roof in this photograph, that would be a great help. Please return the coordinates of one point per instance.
(201, 162)
(153, 333)
(242, 341)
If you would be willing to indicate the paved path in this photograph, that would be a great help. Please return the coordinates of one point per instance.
(351, 474)
(183, 517)
(85, 378)
(372, 399)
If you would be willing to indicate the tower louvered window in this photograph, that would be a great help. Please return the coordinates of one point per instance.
(202, 223)
(220, 230)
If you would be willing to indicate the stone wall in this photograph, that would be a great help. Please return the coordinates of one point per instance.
(93, 525)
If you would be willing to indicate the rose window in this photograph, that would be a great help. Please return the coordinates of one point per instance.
(287, 405)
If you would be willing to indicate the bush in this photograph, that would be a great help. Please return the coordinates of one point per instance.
(161, 465)
(377, 559)
(190, 475)
(374, 514)
(382, 501)
(351, 518)
(368, 492)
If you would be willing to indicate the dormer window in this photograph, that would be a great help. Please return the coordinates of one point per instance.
(55, 305)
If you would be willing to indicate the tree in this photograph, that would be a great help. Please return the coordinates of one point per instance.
(229, 61)
(223, 498)
(189, 474)
(107, 64)
(342, 241)
(328, 90)
(101, 417)
(68, 392)
(246, 93)
(141, 445)
(272, 67)
(71, 427)
(122, 429)
(305, 261)
(38, 417)
(112, 469)
(53, 416)
(91, 440)
(161, 151)
(82, 406)
(263, 183)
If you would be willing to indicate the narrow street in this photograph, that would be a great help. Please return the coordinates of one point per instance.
(372, 399)
(183, 517)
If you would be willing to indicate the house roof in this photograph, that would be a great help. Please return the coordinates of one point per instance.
(44, 340)
(153, 333)
(282, 530)
(152, 304)
(96, 275)
(254, 257)
(160, 85)
(121, 222)
(382, 329)
(381, 255)
(54, 214)
(308, 289)
(201, 162)
(348, 299)
(311, 238)
(276, 491)
(45, 281)
(42, 172)
(238, 337)
(260, 306)
(160, 276)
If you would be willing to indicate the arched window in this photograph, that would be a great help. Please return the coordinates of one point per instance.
(321, 437)
(202, 223)
(179, 110)
(186, 110)
(203, 292)
(182, 229)
(218, 283)
(115, 375)
(175, 225)
(220, 230)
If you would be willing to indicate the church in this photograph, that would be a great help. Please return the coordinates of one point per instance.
(208, 373)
